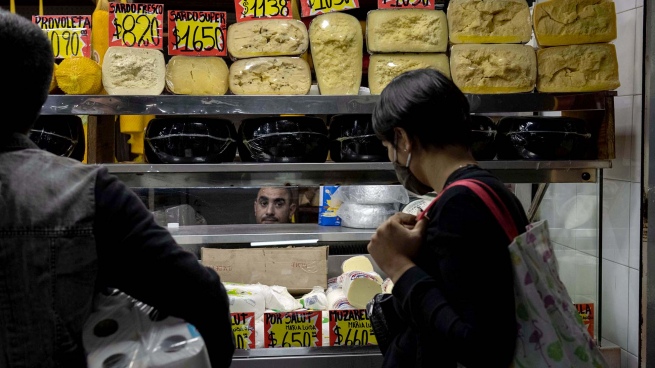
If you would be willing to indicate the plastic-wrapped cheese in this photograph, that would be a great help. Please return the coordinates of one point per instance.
(133, 71)
(486, 69)
(573, 22)
(578, 68)
(357, 263)
(337, 49)
(360, 287)
(383, 68)
(267, 37)
(406, 30)
(489, 21)
(195, 75)
(270, 76)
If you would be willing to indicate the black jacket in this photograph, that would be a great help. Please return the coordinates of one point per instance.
(458, 303)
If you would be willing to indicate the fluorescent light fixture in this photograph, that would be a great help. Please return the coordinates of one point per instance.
(283, 242)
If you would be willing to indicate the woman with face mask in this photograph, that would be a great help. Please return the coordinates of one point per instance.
(451, 268)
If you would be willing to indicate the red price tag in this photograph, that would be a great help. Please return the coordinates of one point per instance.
(316, 7)
(351, 327)
(293, 329)
(586, 311)
(243, 328)
(136, 25)
(196, 33)
(405, 4)
(70, 35)
(262, 9)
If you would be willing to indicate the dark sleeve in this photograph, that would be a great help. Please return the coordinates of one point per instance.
(142, 259)
(462, 289)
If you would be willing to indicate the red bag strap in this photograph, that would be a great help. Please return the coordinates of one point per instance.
(482, 190)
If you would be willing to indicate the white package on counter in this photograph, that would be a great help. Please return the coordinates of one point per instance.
(360, 287)
(365, 216)
(177, 346)
(246, 302)
(371, 194)
(281, 300)
(315, 299)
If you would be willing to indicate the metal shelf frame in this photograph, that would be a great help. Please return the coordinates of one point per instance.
(306, 104)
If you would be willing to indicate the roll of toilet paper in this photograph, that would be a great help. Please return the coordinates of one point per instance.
(337, 300)
(118, 354)
(246, 302)
(109, 326)
(178, 346)
(150, 320)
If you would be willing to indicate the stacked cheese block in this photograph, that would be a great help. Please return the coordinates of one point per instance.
(400, 40)
(266, 57)
(489, 54)
(337, 48)
(574, 54)
(133, 71)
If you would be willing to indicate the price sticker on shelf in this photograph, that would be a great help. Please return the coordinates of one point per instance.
(405, 4)
(243, 328)
(293, 329)
(351, 327)
(197, 33)
(316, 7)
(70, 35)
(136, 25)
(262, 9)
(586, 311)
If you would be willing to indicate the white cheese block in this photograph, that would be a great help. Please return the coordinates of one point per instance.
(578, 68)
(489, 21)
(337, 299)
(361, 287)
(240, 302)
(383, 68)
(487, 69)
(406, 30)
(337, 51)
(267, 37)
(270, 76)
(196, 75)
(357, 263)
(133, 71)
(573, 22)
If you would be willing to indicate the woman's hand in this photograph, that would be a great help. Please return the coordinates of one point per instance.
(396, 242)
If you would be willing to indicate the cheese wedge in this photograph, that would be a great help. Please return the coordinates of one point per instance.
(489, 21)
(574, 22)
(406, 30)
(270, 76)
(385, 67)
(133, 71)
(357, 263)
(197, 75)
(267, 37)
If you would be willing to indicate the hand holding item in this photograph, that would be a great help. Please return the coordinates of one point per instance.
(396, 242)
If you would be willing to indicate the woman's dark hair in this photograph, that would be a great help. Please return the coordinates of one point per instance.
(29, 65)
(428, 106)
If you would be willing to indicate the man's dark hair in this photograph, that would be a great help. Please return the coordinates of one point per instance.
(428, 106)
(28, 64)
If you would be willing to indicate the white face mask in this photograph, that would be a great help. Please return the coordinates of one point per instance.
(406, 178)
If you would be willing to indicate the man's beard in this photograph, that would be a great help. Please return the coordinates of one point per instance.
(269, 219)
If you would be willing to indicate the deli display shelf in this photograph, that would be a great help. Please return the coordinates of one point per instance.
(238, 174)
(305, 104)
(318, 357)
(253, 233)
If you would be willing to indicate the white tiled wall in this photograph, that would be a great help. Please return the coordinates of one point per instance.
(567, 206)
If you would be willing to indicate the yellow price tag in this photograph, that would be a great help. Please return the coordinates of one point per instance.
(258, 9)
(243, 328)
(136, 25)
(198, 33)
(315, 7)
(293, 329)
(70, 35)
(351, 327)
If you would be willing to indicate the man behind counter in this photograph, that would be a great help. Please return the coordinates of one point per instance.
(274, 205)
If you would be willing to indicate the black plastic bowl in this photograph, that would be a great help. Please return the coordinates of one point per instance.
(352, 139)
(542, 138)
(483, 137)
(60, 135)
(190, 141)
(283, 139)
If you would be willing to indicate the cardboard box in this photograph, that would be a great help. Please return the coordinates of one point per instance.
(298, 269)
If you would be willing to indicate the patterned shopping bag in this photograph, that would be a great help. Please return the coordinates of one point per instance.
(550, 329)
